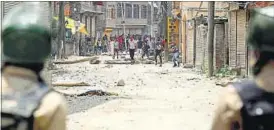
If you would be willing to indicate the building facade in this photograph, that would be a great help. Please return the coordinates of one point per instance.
(129, 18)
(85, 12)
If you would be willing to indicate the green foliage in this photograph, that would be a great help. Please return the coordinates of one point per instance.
(225, 71)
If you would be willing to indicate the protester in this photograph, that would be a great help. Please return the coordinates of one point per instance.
(116, 48)
(99, 46)
(175, 55)
(249, 104)
(27, 102)
(132, 48)
(145, 50)
(105, 43)
(139, 46)
(158, 51)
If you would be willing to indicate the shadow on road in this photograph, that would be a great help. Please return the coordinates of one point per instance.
(83, 103)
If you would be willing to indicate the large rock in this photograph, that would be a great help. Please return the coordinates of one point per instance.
(121, 82)
(94, 61)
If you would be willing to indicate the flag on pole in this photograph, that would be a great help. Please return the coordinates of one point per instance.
(70, 24)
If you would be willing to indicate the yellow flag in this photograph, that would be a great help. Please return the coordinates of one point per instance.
(70, 23)
(82, 29)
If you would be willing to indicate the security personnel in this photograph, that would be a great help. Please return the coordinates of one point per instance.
(27, 102)
(249, 105)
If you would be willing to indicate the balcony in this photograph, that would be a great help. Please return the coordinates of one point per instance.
(91, 9)
(131, 21)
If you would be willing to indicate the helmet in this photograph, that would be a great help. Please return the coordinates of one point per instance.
(262, 29)
(261, 36)
(26, 34)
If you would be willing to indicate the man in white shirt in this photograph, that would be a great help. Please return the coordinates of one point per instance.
(132, 48)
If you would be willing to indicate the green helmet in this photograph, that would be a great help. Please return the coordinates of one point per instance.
(261, 33)
(26, 34)
(261, 36)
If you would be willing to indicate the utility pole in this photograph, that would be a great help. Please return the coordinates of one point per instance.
(210, 36)
(61, 30)
(165, 29)
(180, 31)
(151, 19)
(124, 22)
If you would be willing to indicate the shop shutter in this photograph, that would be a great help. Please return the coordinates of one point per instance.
(8, 5)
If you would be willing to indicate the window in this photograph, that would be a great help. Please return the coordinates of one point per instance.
(119, 10)
(136, 11)
(155, 15)
(128, 11)
(113, 13)
(143, 12)
(155, 10)
(110, 12)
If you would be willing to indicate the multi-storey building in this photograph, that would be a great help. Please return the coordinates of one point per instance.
(126, 17)
(85, 12)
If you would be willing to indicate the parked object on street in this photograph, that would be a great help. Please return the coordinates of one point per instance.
(249, 105)
(27, 101)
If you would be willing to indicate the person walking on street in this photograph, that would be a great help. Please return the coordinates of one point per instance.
(99, 46)
(28, 103)
(145, 50)
(132, 48)
(139, 47)
(158, 51)
(105, 43)
(249, 104)
(175, 55)
(116, 48)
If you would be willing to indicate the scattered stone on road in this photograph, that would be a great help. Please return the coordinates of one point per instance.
(159, 98)
(94, 61)
(121, 82)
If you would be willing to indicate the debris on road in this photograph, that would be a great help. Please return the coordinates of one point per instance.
(76, 61)
(94, 61)
(98, 93)
(108, 66)
(164, 72)
(117, 62)
(193, 78)
(121, 82)
(91, 93)
(129, 61)
(223, 83)
(71, 84)
(50, 66)
(188, 66)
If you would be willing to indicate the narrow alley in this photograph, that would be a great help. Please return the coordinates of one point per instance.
(152, 98)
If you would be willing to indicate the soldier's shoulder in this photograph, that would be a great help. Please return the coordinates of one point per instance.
(54, 99)
(231, 98)
(51, 102)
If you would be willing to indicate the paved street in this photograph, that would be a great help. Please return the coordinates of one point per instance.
(153, 98)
